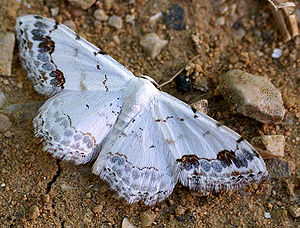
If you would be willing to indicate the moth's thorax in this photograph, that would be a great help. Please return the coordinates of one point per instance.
(142, 89)
(141, 94)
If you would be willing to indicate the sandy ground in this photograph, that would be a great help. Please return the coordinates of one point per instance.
(65, 195)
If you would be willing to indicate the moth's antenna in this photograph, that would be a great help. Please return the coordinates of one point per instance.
(167, 82)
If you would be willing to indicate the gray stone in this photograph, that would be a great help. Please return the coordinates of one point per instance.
(278, 168)
(127, 224)
(152, 44)
(2, 99)
(253, 96)
(84, 4)
(100, 15)
(5, 123)
(7, 43)
(115, 22)
(23, 111)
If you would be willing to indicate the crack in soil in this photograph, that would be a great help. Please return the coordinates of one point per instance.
(54, 178)
(48, 189)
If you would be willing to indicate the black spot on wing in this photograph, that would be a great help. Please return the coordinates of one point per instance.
(38, 17)
(240, 140)
(56, 25)
(193, 109)
(218, 124)
(99, 53)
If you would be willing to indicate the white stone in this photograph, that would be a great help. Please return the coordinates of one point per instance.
(115, 21)
(276, 53)
(152, 44)
(100, 15)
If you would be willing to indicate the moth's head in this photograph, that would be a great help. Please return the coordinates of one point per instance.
(150, 79)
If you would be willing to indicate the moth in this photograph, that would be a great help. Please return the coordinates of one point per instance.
(143, 140)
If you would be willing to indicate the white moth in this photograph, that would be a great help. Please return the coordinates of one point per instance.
(144, 140)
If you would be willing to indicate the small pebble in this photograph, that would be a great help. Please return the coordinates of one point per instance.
(2, 99)
(100, 15)
(223, 9)
(294, 211)
(129, 18)
(220, 21)
(267, 215)
(8, 134)
(200, 82)
(276, 53)
(152, 44)
(239, 34)
(33, 212)
(201, 105)
(274, 144)
(175, 18)
(66, 187)
(126, 223)
(147, 218)
(97, 208)
(88, 216)
(115, 22)
(253, 96)
(3, 185)
(108, 4)
(116, 39)
(5, 123)
(155, 17)
(7, 43)
(70, 24)
(84, 4)
(88, 195)
(54, 11)
(46, 198)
